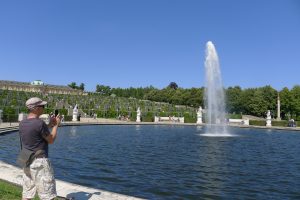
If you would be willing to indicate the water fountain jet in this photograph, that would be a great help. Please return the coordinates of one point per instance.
(214, 95)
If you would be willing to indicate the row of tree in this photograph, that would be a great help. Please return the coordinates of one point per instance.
(250, 101)
(74, 86)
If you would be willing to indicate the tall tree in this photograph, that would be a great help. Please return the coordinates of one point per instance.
(73, 85)
(173, 85)
(285, 102)
(270, 97)
(81, 86)
(258, 105)
(233, 99)
(102, 89)
(246, 96)
(295, 101)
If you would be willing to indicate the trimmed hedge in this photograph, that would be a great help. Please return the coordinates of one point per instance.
(282, 123)
(189, 119)
(10, 118)
(234, 116)
(257, 122)
(148, 117)
(68, 118)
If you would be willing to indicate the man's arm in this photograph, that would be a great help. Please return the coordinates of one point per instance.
(51, 137)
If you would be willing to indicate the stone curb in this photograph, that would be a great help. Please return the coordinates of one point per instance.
(13, 175)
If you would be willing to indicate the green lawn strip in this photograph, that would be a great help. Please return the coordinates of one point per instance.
(9, 191)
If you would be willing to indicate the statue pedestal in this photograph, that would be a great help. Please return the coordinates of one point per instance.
(74, 119)
(199, 116)
(138, 118)
(269, 119)
(75, 113)
(269, 122)
(199, 120)
(138, 115)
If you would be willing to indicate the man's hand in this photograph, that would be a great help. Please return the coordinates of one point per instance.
(55, 121)
(52, 120)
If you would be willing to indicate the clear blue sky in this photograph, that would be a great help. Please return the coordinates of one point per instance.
(124, 43)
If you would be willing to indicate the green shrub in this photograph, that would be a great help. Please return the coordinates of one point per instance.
(111, 114)
(10, 118)
(63, 112)
(257, 122)
(68, 118)
(234, 116)
(9, 115)
(280, 123)
(100, 113)
(148, 117)
(163, 114)
(132, 116)
(188, 118)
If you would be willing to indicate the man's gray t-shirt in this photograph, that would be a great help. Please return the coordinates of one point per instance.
(32, 132)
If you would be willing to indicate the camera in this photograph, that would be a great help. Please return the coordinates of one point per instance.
(55, 112)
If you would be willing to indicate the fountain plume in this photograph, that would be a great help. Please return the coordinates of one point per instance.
(214, 92)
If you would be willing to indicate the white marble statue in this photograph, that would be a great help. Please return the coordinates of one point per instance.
(199, 115)
(138, 115)
(75, 113)
(269, 119)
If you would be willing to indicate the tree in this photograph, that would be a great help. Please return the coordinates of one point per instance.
(177, 97)
(81, 87)
(285, 102)
(73, 85)
(246, 96)
(193, 97)
(258, 105)
(173, 85)
(102, 89)
(270, 97)
(295, 101)
(233, 99)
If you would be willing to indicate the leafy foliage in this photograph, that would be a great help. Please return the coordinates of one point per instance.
(173, 86)
(74, 86)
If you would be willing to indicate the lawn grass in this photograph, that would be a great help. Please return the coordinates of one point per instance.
(9, 191)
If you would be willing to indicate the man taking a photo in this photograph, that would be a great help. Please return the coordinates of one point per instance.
(35, 136)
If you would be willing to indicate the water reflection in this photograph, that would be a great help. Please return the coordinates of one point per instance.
(199, 128)
(73, 131)
(138, 128)
(214, 158)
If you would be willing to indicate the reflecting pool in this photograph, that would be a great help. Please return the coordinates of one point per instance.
(174, 162)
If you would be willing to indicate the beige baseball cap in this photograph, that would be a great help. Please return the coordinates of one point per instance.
(35, 102)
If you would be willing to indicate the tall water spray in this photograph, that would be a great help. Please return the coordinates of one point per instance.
(214, 92)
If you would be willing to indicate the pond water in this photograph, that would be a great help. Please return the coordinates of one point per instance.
(174, 162)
